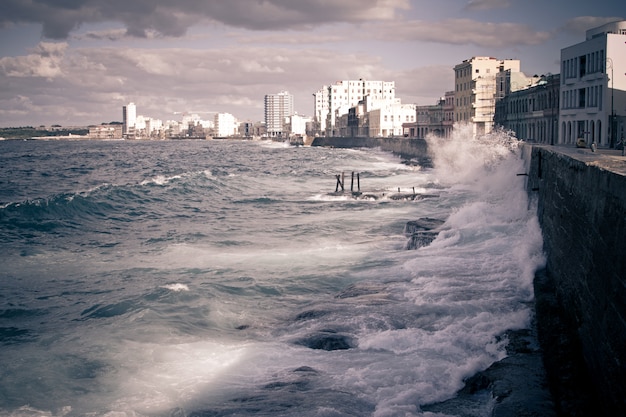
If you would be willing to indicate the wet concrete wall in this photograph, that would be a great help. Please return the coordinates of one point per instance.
(582, 212)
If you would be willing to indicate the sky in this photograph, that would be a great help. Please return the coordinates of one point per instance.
(77, 62)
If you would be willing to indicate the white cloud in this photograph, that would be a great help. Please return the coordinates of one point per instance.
(43, 62)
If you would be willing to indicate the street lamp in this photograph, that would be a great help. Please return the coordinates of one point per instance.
(612, 116)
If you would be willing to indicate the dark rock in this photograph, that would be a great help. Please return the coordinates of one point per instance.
(422, 232)
(513, 387)
(327, 340)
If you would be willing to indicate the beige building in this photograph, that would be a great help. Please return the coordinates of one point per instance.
(476, 90)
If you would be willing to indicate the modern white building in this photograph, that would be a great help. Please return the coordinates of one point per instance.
(476, 90)
(334, 101)
(225, 125)
(593, 87)
(278, 107)
(129, 119)
(298, 124)
(387, 120)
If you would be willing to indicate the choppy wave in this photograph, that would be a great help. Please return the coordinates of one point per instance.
(232, 282)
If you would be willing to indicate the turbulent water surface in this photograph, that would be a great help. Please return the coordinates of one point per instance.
(223, 278)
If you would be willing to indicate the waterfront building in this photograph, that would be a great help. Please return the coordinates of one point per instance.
(593, 87)
(113, 131)
(321, 106)
(298, 125)
(129, 116)
(532, 112)
(433, 119)
(334, 101)
(476, 90)
(278, 107)
(225, 125)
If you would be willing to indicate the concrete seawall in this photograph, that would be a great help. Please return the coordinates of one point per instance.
(581, 199)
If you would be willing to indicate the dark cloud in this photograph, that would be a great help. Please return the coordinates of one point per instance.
(487, 4)
(464, 32)
(579, 25)
(60, 17)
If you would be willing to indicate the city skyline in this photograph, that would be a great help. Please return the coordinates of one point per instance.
(78, 64)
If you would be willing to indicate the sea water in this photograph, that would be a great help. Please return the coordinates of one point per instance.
(226, 278)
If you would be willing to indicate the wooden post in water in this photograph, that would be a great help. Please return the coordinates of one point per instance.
(338, 183)
(352, 183)
(358, 182)
(343, 179)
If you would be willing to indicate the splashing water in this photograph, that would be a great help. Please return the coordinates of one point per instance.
(221, 278)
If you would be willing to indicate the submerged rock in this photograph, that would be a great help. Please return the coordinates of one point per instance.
(327, 340)
(422, 232)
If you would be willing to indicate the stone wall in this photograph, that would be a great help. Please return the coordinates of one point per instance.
(408, 148)
(582, 212)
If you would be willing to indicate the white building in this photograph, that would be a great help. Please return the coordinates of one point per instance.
(593, 87)
(388, 119)
(129, 118)
(278, 107)
(334, 101)
(476, 90)
(298, 124)
(225, 125)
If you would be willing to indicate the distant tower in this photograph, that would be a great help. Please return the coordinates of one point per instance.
(277, 108)
(129, 116)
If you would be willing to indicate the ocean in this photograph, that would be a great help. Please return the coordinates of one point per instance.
(227, 278)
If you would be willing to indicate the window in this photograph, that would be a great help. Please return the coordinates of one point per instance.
(581, 97)
(582, 65)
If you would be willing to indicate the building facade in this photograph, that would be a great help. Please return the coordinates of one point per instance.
(278, 107)
(532, 112)
(476, 90)
(334, 101)
(129, 119)
(593, 87)
(105, 132)
(225, 125)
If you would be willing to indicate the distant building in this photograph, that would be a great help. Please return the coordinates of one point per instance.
(332, 102)
(532, 112)
(476, 90)
(278, 107)
(593, 87)
(298, 124)
(105, 132)
(225, 125)
(129, 117)
(433, 119)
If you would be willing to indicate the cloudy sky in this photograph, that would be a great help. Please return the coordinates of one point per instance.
(77, 62)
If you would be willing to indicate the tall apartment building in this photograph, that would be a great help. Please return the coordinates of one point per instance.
(278, 107)
(225, 125)
(593, 87)
(129, 118)
(333, 101)
(476, 90)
